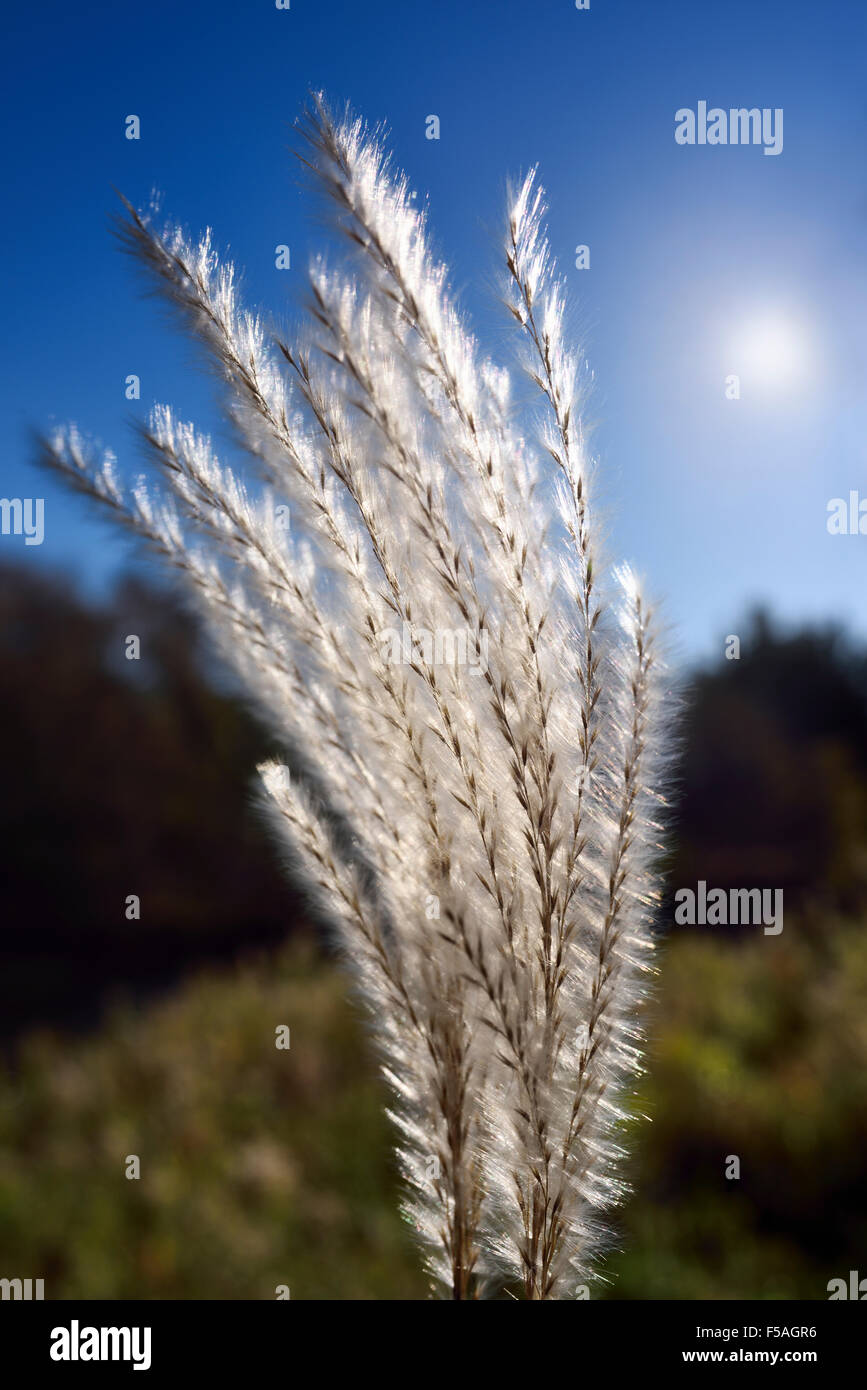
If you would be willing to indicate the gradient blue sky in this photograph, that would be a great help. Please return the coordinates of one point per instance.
(720, 503)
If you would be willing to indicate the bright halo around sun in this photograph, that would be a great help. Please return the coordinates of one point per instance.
(772, 352)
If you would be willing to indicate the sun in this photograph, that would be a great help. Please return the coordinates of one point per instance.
(772, 351)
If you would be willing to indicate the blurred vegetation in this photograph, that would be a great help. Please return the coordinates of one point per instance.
(758, 1049)
(262, 1167)
(121, 777)
(259, 1166)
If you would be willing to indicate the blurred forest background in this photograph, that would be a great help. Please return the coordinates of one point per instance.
(262, 1167)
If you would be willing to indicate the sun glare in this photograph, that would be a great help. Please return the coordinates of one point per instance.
(771, 351)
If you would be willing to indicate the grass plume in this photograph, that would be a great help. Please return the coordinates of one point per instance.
(472, 708)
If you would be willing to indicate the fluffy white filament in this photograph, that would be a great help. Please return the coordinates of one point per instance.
(471, 710)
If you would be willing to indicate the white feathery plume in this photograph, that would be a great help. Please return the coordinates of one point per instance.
(473, 744)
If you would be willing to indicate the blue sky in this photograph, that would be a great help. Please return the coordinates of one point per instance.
(705, 261)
